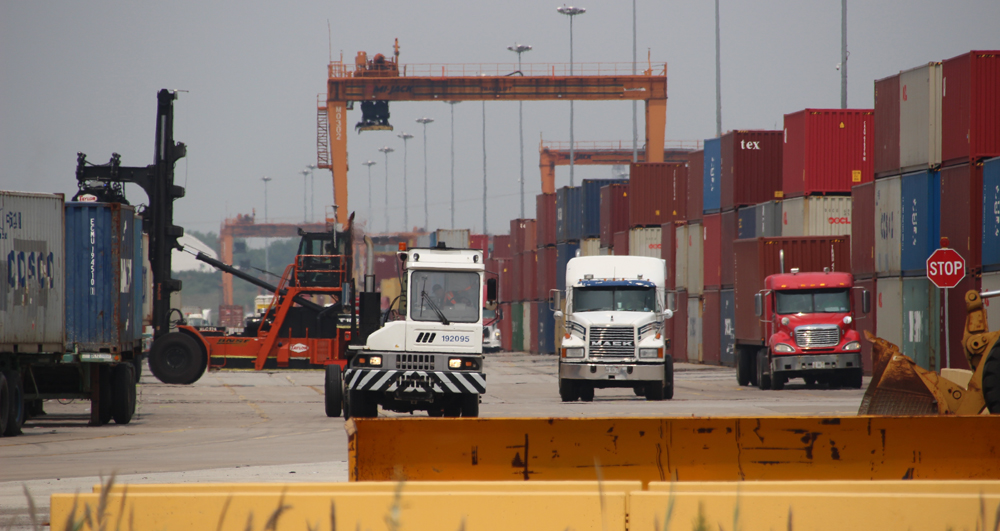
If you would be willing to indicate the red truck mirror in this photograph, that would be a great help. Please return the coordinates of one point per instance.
(866, 301)
(758, 305)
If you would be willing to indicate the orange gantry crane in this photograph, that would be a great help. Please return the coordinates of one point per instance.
(603, 153)
(376, 82)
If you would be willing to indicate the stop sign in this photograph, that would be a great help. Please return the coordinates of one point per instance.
(945, 268)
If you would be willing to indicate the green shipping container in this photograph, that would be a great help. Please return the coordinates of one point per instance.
(921, 328)
(517, 323)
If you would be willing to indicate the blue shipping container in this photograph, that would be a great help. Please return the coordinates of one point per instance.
(546, 329)
(104, 278)
(712, 177)
(590, 202)
(565, 251)
(921, 220)
(746, 222)
(569, 225)
(991, 215)
(727, 327)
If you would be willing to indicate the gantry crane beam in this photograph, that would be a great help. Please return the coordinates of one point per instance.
(555, 154)
(458, 83)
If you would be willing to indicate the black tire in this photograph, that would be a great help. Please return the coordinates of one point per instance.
(435, 412)
(4, 404)
(15, 419)
(668, 379)
(176, 358)
(854, 379)
(34, 408)
(763, 379)
(586, 391)
(137, 366)
(752, 356)
(362, 404)
(122, 393)
(105, 394)
(569, 391)
(639, 390)
(333, 391)
(991, 380)
(778, 382)
(470, 405)
(744, 368)
(452, 408)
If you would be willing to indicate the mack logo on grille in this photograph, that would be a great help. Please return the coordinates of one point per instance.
(605, 343)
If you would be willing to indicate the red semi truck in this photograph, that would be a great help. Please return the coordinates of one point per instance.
(795, 312)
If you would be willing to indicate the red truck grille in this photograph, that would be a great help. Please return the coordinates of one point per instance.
(817, 336)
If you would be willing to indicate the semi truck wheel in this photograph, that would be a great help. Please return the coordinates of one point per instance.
(586, 391)
(333, 393)
(470, 405)
(362, 404)
(668, 379)
(177, 359)
(4, 404)
(763, 379)
(744, 368)
(17, 414)
(639, 390)
(122, 393)
(854, 379)
(105, 395)
(568, 390)
(778, 382)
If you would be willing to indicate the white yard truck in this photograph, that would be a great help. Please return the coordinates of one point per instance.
(432, 358)
(615, 313)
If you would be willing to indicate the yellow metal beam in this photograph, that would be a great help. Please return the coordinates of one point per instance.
(620, 487)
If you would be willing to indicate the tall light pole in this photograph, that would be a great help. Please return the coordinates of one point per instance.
(369, 163)
(485, 231)
(571, 12)
(406, 195)
(519, 49)
(635, 120)
(424, 121)
(386, 150)
(305, 193)
(843, 54)
(312, 192)
(718, 76)
(267, 262)
(453, 103)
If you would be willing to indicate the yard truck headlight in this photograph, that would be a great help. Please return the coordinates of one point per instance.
(783, 348)
(649, 353)
(455, 363)
(375, 361)
(575, 352)
(853, 345)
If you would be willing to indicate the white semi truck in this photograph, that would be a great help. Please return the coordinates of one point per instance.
(614, 322)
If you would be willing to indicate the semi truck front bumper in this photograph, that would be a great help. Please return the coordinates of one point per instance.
(815, 362)
(607, 372)
(415, 384)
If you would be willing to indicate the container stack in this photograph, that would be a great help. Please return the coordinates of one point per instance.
(524, 248)
(614, 214)
(501, 263)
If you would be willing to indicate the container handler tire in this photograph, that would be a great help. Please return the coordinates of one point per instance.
(744, 367)
(569, 390)
(4, 404)
(470, 405)
(362, 404)
(105, 394)
(17, 413)
(333, 391)
(763, 379)
(586, 391)
(122, 393)
(177, 359)
(991, 380)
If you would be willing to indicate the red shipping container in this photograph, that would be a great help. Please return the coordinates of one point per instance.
(231, 315)
(728, 262)
(678, 340)
(505, 272)
(658, 193)
(529, 275)
(887, 127)
(386, 266)
(614, 212)
(668, 252)
(751, 167)
(545, 218)
(954, 304)
(516, 279)
(506, 327)
(962, 211)
(523, 236)
(481, 242)
(863, 230)
(695, 188)
(547, 269)
(827, 151)
(711, 333)
(712, 248)
(864, 322)
(501, 246)
(621, 243)
(970, 107)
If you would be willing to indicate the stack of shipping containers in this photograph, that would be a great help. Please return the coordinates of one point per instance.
(546, 208)
(501, 263)
(523, 247)
(614, 214)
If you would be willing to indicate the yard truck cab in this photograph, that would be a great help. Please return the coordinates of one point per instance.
(614, 323)
(432, 357)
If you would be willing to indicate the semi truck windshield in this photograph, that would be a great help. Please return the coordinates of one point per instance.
(614, 299)
(821, 301)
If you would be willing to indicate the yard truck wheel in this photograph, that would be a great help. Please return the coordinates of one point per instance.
(991, 380)
(122, 393)
(333, 393)
(763, 379)
(568, 390)
(586, 391)
(744, 367)
(4, 404)
(176, 358)
(362, 404)
(470, 405)
(17, 413)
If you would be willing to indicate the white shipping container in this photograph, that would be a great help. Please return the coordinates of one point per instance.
(888, 226)
(991, 282)
(920, 117)
(816, 216)
(889, 309)
(680, 258)
(590, 247)
(32, 272)
(454, 238)
(695, 259)
(605, 251)
(527, 326)
(645, 241)
(768, 215)
(694, 339)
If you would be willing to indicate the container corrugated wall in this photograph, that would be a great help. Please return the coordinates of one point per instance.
(454, 238)
(886, 126)
(32, 295)
(506, 282)
(864, 322)
(888, 226)
(523, 236)
(746, 222)
(695, 186)
(962, 205)
(621, 243)
(863, 230)
(481, 242)
(590, 247)
(565, 252)
(528, 328)
(711, 335)
(614, 212)
(694, 337)
(991, 217)
(506, 328)
(991, 282)
(546, 272)
(727, 327)
(680, 257)
(678, 329)
(921, 220)
(645, 241)
(501, 247)
(816, 216)
(728, 236)
(920, 118)
(545, 219)
(751, 167)
(888, 303)
(712, 251)
(695, 259)
(568, 214)
(712, 176)
(827, 151)
(921, 329)
(545, 328)
(970, 105)
(590, 203)
(517, 327)
(768, 220)
(668, 252)
(657, 193)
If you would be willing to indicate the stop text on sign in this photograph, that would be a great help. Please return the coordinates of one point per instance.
(947, 268)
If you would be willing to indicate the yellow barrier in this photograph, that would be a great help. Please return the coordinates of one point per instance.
(621, 487)
(688, 449)
(897, 487)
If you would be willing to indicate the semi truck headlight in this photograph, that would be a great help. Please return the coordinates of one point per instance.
(847, 319)
(783, 348)
(853, 345)
(648, 352)
(575, 352)
(455, 363)
(375, 361)
(496, 334)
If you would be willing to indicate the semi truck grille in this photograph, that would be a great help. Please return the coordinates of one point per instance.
(817, 336)
(415, 362)
(612, 341)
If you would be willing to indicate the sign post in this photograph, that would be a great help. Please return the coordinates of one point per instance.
(945, 268)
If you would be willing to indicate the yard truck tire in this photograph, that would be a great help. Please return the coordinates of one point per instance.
(333, 393)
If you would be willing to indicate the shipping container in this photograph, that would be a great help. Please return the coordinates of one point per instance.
(546, 325)
(746, 222)
(991, 216)
(590, 204)
(531, 309)
(920, 118)
(863, 230)
(953, 300)
(529, 275)
(888, 226)
(728, 236)
(481, 242)
(712, 251)
(865, 322)
(695, 185)
(32, 246)
(827, 151)
(545, 219)
(695, 353)
(569, 224)
(751, 167)
(888, 304)
(621, 243)
(501, 246)
(517, 327)
(527, 328)
(711, 195)
(523, 236)
(645, 241)
(991, 282)
(590, 247)
(962, 208)
(668, 252)
(886, 124)
(695, 259)
(727, 327)
(517, 278)
(546, 272)
(678, 341)
(680, 257)
(103, 277)
(828, 215)
(658, 193)
(970, 107)
(768, 220)
(711, 335)
(921, 332)
(231, 315)
(614, 212)
(506, 327)
(921, 220)
(453, 238)
(565, 252)
(506, 283)
(759, 258)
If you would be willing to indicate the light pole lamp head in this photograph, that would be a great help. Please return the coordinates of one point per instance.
(570, 10)
(424, 120)
(519, 48)
(311, 167)
(386, 150)
(405, 136)
(265, 179)
(369, 163)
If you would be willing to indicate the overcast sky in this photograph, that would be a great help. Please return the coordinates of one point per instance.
(83, 76)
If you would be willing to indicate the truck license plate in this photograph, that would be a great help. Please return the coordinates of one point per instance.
(818, 365)
(611, 369)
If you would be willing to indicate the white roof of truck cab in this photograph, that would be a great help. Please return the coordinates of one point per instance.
(433, 258)
(616, 268)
